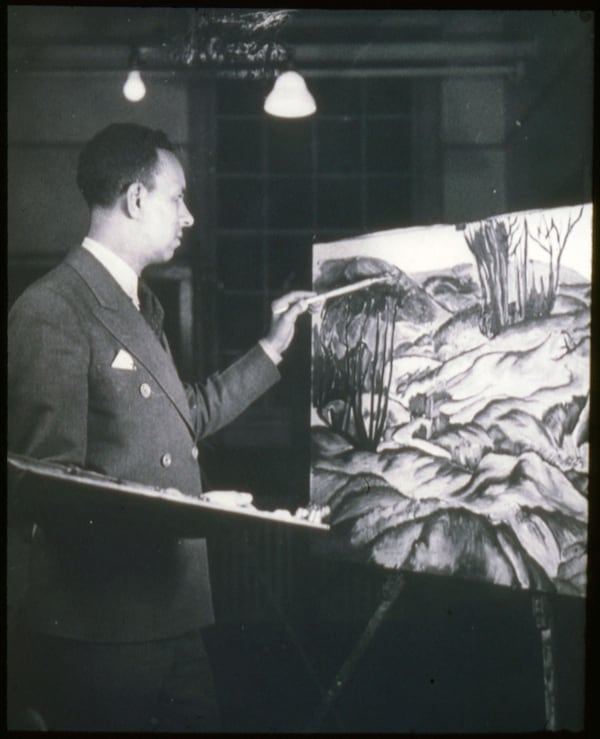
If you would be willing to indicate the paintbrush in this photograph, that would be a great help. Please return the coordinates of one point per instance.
(341, 291)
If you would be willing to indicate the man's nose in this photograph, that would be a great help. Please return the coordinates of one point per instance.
(186, 218)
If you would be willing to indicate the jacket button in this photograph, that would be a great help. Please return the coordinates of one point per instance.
(195, 452)
(165, 460)
(145, 390)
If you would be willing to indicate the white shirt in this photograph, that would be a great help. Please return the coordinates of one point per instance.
(127, 280)
(123, 274)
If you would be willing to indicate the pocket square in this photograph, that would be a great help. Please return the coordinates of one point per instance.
(123, 361)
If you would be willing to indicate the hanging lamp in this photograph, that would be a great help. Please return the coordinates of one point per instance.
(134, 88)
(290, 97)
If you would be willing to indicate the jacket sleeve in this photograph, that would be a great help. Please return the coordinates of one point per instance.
(225, 395)
(48, 359)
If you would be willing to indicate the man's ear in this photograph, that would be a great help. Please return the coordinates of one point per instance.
(134, 199)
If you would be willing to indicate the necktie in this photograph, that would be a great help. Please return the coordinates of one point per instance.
(151, 309)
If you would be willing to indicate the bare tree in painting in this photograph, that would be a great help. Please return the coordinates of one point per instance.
(353, 366)
(501, 248)
(553, 241)
(517, 258)
(489, 242)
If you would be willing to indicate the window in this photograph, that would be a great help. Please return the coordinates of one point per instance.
(281, 185)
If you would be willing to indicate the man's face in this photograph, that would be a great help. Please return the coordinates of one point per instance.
(165, 213)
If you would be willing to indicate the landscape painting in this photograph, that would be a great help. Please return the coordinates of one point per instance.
(450, 400)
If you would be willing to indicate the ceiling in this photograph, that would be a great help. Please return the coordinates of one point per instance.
(64, 24)
(101, 37)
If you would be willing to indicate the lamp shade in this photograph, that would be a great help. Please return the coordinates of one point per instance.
(290, 97)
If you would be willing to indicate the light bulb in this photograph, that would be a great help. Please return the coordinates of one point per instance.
(290, 97)
(134, 88)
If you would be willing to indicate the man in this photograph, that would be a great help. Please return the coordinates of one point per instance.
(115, 606)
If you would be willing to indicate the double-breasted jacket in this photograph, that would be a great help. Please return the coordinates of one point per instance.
(89, 384)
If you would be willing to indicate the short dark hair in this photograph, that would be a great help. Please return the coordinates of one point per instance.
(117, 156)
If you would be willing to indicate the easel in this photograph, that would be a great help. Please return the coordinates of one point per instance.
(392, 586)
(391, 589)
(543, 622)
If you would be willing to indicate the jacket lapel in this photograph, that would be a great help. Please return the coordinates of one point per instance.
(117, 313)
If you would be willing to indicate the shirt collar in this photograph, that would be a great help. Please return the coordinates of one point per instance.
(122, 273)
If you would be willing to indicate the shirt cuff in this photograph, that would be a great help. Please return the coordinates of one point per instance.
(272, 353)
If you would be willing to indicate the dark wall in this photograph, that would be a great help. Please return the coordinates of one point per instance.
(550, 113)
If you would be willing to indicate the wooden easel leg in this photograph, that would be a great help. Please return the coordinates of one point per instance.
(543, 622)
(391, 590)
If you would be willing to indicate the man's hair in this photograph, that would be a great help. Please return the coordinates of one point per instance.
(116, 157)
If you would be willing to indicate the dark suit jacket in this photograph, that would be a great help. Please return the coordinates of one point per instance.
(110, 579)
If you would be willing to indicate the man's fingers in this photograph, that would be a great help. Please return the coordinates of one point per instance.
(292, 310)
(292, 300)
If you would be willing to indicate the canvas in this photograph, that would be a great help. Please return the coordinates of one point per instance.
(450, 402)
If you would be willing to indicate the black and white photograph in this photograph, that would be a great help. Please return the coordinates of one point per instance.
(299, 369)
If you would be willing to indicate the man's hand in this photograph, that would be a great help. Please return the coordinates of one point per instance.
(284, 312)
